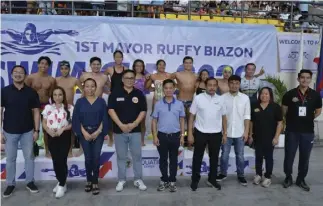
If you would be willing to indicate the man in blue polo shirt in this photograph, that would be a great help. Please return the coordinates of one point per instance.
(168, 132)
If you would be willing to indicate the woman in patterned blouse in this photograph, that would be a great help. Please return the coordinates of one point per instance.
(57, 123)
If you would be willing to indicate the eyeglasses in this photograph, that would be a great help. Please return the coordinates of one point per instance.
(129, 78)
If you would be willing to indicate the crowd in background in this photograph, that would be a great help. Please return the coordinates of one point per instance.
(152, 9)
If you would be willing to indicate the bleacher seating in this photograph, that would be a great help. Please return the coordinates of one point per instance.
(226, 19)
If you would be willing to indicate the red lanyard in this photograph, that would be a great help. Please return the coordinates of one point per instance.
(301, 96)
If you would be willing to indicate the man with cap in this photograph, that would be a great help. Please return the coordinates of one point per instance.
(67, 82)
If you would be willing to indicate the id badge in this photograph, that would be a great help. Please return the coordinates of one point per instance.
(302, 111)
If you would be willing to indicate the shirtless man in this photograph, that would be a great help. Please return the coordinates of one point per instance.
(223, 85)
(44, 85)
(186, 81)
(115, 74)
(102, 80)
(69, 84)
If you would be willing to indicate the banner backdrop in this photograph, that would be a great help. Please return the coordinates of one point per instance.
(289, 46)
(109, 168)
(74, 38)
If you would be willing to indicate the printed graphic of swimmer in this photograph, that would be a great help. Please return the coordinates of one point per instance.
(31, 42)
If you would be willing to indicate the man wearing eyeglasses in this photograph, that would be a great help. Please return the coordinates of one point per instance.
(127, 108)
(21, 123)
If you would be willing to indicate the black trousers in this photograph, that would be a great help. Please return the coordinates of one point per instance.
(168, 147)
(214, 141)
(264, 151)
(305, 142)
(59, 148)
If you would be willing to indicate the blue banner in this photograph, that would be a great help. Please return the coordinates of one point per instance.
(78, 38)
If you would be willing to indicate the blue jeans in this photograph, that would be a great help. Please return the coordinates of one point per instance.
(239, 151)
(11, 147)
(304, 141)
(122, 142)
(92, 154)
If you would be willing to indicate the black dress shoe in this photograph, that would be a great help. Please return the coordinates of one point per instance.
(214, 184)
(303, 185)
(288, 182)
(194, 186)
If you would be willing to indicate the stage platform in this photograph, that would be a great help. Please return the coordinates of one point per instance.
(150, 163)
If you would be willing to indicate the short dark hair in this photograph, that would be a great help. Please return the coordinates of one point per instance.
(271, 94)
(187, 58)
(49, 61)
(116, 52)
(160, 60)
(167, 81)
(19, 66)
(234, 78)
(128, 71)
(306, 71)
(250, 64)
(134, 65)
(95, 59)
(90, 79)
(210, 79)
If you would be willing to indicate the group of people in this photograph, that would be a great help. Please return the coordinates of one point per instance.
(218, 113)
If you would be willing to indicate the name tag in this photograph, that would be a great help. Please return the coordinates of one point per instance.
(120, 99)
(302, 111)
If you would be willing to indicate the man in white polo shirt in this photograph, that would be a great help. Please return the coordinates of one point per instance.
(238, 114)
(209, 111)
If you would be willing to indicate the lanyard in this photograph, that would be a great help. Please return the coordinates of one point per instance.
(301, 96)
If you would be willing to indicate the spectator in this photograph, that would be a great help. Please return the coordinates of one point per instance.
(180, 6)
(98, 5)
(262, 11)
(30, 6)
(284, 15)
(4, 8)
(122, 8)
(46, 8)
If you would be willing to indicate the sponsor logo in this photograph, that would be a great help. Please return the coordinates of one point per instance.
(135, 100)
(294, 55)
(31, 42)
(76, 171)
(4, 173)
(150, 162)
(295, 99)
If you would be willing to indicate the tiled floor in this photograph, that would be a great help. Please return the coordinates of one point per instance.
(231, 194)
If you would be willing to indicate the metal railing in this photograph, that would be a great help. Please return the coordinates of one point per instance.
(309, 20)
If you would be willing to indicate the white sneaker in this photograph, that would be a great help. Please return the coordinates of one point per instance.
(60, 191)
(120, 186)
(266, 182)
(55, 188)
(140, 184)
(257, 180)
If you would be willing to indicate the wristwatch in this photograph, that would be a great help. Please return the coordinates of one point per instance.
(36, 131)
(182, 135)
